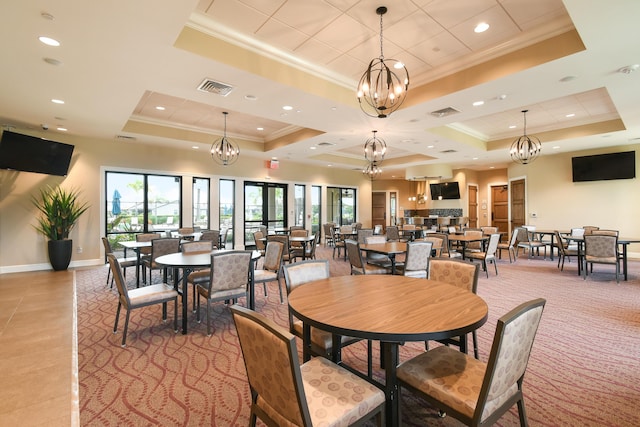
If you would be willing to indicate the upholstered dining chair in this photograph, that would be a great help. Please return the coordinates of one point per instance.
(211, 235)
(297, 247)
(393, 235)
(160, 247)
(260, 244)
(601, 249)
(200, 275)
(124, 262)
(140, 297)
(145, 253)
(489, 255)
(358, 265)
(380, 260)
(286, 247)
(471, 391)
(297, 274)
(463, 275)
(317, 392)
(588, 229)
(526, 241)
(509, 246)
(437, 244)
(229, 280)
(270, 271)
(327, 230)
(473, 246)
(564, 251)
(416, 262)
(447, 250)
(338, 242)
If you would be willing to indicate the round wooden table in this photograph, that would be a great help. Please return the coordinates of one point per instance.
(389, 309)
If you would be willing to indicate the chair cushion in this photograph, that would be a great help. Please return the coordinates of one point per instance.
(264, 276)
(149, 294)
(320, 338)
(447, 375)
(199, 277)
(335, 396)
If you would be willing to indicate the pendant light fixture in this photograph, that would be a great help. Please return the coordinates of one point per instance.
(526, 148)
(372, 170)
(224, 151)
(375, 148)
(383, 86)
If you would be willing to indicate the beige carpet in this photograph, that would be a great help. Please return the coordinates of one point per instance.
(584, 369)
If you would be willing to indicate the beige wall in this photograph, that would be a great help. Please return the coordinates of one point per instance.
(22, 249)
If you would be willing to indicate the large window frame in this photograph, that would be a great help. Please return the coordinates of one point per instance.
(201, 202)
(269, 207)
(316, 208)
(339, 209)
(227, 210)
(299, 208)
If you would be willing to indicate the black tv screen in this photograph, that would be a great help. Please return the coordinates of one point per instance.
(30, 154)
(603, 167)
(445, 190)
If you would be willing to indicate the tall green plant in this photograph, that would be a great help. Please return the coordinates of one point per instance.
(60, 210)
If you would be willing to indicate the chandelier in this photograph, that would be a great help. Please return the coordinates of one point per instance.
(372, 170)
(375, 148)
(525, 149)
(381, 89)
(224, 151)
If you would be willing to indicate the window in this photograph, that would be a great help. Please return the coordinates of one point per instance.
(341, 205)
(227, 209)
(299, 203)
(264, 204)
(200, 200)
(137, 203)
(316, 208)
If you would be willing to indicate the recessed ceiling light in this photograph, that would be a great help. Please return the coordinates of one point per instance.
(570, 115)
(195, 147)
(49, 41)
(474, 158)
(250, 97)
(274, 158)
(512, 126)
(430, 146)
(61, 129)
(481, 27)
(312, 148)
(492, 167)
(555, 147)
(567, 79)
(329, 165)
(478, 103)
(57, 101)
(160, 107)
(47, 16)
(287, 108)
(52, 61)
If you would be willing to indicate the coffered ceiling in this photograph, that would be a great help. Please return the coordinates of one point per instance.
(133, 70)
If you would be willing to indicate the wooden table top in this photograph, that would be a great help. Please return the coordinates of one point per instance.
(463, 238)
(388, 308)
(194, 259)
(385, 248)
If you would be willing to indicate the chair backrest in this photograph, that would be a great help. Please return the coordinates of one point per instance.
(588, 229)
(523, 235)
(374, 239)
(146, 237)
(514, 238)
(530, 228)
(462, 274)
(116, 271)
(282, 238)
(299, 233)
(392, 233)
(577, 232)
(476, 234)
(354, 254)
(346, 229)
(409, 227)
(311, 247)
(211, 235)
(443, 220)
(223, 241)
(185, 230)
(164, 246)
(488, 230)
(601, 232)
(257, 237)
(273, 256)
(436, 243)
(107, 245)
(560, 243)
(229, 270)
(445, 241)
(327, 229)
(357, 226)
(510, 351)
(299, 273)
(263, 229)
(295, 227)
(452, 229)
(197, 246)
(417, 259)
(377, 229)
(363, 233)
(492, 246)
(601, 246)
(263, 340)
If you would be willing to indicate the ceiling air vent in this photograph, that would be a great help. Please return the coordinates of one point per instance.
(125, 138)
(213, 86)
(444, 112)
(325, 144)
(448, 151)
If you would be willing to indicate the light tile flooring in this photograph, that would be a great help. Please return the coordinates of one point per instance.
(38, 349)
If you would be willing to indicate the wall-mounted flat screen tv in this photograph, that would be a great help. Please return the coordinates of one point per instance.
(445, 190)
(603, 167)
(30, 154)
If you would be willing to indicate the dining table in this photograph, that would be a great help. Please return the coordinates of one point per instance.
(135, 246)
(390, 249)
(624, 242)
(465, 240)
(390, 309)
(304, 241)
(552, 235)
(189, 262)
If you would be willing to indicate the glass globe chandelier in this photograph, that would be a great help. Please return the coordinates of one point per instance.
(380, 90)
(525, 149)
(372, 170)
(375, 148)
(224, 151)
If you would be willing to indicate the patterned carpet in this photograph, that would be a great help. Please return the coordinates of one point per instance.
(584, 369)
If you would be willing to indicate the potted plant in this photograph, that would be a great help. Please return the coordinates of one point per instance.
(60, 210)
